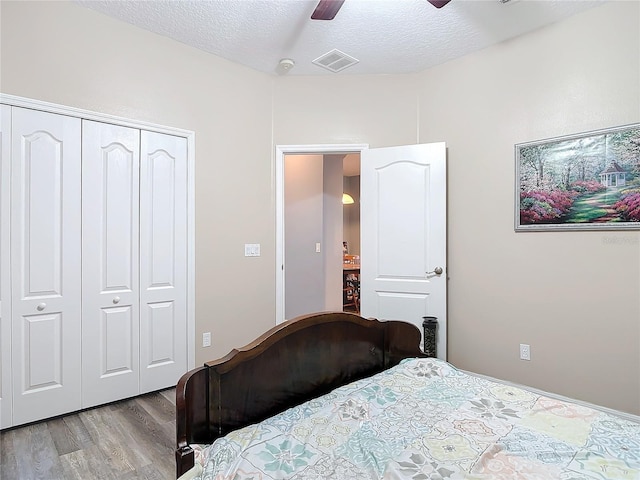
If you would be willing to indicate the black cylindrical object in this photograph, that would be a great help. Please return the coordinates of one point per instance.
(430, 327)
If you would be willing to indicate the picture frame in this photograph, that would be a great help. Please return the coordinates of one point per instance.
(586, 181)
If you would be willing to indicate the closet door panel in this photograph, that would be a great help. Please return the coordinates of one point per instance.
(163, 261)
(110, 227)
(45, 237)
(161, 319)
(5, 269)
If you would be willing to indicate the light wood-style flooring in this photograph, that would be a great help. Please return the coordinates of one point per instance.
(131, 439)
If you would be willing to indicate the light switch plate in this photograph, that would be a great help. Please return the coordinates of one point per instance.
(251, 249)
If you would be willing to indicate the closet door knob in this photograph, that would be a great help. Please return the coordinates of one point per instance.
(41, 306)
(116, 300)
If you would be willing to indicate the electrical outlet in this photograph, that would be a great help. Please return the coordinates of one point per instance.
(206, 339)
(525, 352)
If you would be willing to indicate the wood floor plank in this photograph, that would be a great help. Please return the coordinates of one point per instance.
(63, 438)
(79, 430)
(41, 460)
(75, 464)
(8, 463)
(119, 457)
(87, 463)
(118, 433)
(21, 448)
(108, 430)
(144, 424)
(169, 431)
(155, 472)
(170, 394)
(146, 433)
(158, 406)
(132, 439)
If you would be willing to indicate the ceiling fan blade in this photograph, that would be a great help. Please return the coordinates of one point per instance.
(327, 9)
(438, 3)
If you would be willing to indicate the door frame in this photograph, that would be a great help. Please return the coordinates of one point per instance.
(190, 136)
(280, 153)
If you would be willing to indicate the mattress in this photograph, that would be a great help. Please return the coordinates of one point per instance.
(426, 420)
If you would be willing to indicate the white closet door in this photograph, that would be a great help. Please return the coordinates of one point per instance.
(45, 238)
(163, 260)
(5, 269)
(110, 280)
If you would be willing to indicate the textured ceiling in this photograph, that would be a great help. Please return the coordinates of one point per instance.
(385, 36)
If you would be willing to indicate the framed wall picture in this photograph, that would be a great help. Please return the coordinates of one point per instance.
(588, 181)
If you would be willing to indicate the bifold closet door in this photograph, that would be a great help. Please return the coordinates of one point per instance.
(5, 268)
(110, 259)
(45, 253)
(163, 260)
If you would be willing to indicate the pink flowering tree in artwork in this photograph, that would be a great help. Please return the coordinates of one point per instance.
(544, 206)
(629, 206)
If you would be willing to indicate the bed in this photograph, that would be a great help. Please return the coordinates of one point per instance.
(334, 395)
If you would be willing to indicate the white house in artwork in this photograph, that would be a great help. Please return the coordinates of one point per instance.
(613, 176)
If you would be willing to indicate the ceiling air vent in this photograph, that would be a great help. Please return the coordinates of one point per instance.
(335, 60)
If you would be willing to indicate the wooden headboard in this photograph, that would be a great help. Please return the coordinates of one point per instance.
(291, 363)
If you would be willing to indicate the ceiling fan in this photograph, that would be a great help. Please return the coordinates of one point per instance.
(327, 9)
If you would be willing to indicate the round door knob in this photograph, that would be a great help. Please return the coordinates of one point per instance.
(41, 306)
(116, 300)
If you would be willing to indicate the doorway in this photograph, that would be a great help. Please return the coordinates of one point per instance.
(403, 232)
(326, 243)
(321, 233)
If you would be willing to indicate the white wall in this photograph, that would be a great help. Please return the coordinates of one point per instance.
(573, 296)
(379, 110)
(303, 228)
(332, 232)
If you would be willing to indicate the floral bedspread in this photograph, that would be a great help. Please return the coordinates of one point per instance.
(426, 420)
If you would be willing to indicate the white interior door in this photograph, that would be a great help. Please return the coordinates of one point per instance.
(163, 260)
(110, 272)
(5, 269)
(45, 238)
(403, 235)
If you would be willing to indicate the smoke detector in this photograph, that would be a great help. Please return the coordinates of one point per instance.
(285, 65)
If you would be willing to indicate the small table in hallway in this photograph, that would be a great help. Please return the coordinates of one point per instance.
(351, 287)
